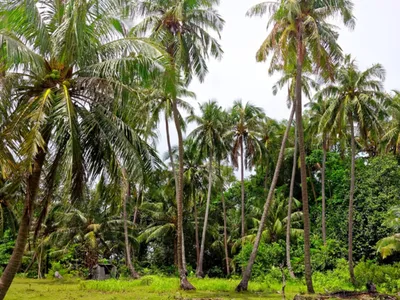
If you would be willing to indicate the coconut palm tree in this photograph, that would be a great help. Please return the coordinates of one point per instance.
(69, 78)
(245, 136)
(181, 27)
(302, 36)
(391, 138)
(195, 176)
(315, 130)
(247, 273)
(356, 98)
(208, 136)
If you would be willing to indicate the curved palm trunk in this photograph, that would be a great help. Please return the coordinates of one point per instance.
(32, 187)
(289, 215)
(199, 271)
(351, 200)
(242, 184)
(243, 285)
(132, 270)
(184, 283)
(228, 272)
(303, 166)
(171, 157)
(324, 149)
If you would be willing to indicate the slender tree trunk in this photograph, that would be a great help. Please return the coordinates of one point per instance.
(303, 166)
(243, 285)
(132, 270)
(312, 184)
(31, 263)
(324, 149)
(32, 186)
(289, 215)
(199, 271)
(242, 183)
(228, 272)
(183, 252)
(135, 213)
(196, 231)
(184, 283)
(171, 157)
(176, 251)
(39, 261)
(351, 200)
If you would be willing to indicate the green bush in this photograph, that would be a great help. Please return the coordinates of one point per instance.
(333, 280)
(57, 267)
(385, 277)
(268, 256)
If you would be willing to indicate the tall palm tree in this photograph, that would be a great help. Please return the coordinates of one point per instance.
(355, 98)
(195, 176)
(391, 138)
(243, 285)
(245, 135)
(314, 129)
(301, 35)
(69, 77)
(289, 79)
(209, 139)
(181, 27)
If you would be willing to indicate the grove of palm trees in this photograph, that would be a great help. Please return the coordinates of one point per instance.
(111, 161)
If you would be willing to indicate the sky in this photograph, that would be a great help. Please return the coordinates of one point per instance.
(375, 39)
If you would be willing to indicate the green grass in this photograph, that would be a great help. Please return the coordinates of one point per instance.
(148, 287)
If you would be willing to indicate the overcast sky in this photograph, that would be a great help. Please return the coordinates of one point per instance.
(238, 76)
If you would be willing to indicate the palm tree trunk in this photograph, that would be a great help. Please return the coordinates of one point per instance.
(32, 187)
(171, 157)
(135, 213)
(324, 149)
(312, 184)
(39, 261)
(132, 270)
(351, 200)
(303, 166)
(199, 271)
(184, 283)
(289, 215)
(242, 183)
(243, 285)
(228, 272)
(196, 231)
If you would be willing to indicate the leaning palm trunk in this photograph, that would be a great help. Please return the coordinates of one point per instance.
(289, 215)
(199, 271)
(132, 270)
(184, 283)
(324, 149)
(228, 272)
(242, 186)
(303, 166)
(25, 223)
(247, 273)
(351, 200)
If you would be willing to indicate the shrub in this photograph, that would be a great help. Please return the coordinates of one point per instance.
(386, 277)
(268, 256)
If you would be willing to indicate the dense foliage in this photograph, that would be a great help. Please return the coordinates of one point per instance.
(82, 183)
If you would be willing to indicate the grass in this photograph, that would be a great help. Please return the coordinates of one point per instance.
(148, 287)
